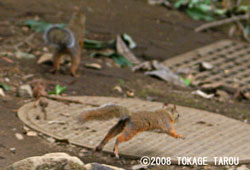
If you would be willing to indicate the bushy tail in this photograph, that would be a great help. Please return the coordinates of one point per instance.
(105, 112)
(58, 36)
(114, 131)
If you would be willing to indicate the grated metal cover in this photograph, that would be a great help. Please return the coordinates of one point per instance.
(207, 134)
(231, 61)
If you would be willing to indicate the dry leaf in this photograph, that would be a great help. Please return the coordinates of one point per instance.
(125, 51)
(118, 88)
(94, 66)
(45, 58)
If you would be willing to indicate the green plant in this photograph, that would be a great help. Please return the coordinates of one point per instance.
(58, 90)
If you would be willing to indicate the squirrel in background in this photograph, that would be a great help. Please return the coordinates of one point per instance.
(67, 41)
(132, 123)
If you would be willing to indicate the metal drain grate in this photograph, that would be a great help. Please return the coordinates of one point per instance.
(231, 61)
(207, 134)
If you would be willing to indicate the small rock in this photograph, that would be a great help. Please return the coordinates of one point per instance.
(13, 150)
(7, 79)
(59, 160)
(19, 136)
(25, 91)
(94, 66)
(93, 166)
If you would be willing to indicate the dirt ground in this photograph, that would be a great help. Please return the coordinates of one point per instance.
(159, 33)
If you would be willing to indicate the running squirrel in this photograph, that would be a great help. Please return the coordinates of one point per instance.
(132, 123)
(67, 41)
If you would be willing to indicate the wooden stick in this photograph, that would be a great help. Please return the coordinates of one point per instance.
(222, 22)
(62, 99)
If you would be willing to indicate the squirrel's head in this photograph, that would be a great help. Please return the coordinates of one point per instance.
(172, 112)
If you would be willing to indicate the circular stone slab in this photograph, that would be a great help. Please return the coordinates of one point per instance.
(207, 134)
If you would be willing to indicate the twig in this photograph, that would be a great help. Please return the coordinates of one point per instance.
(222, 22)
(26, 40)
(62, 99)
(7, 59)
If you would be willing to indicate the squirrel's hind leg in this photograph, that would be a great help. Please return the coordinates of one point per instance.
(56, 63)
(75, 55)
(114, 131)
(126, 135)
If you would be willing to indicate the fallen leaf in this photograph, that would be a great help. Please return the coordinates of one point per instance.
(168, 76)
(205, 66)
(145, 66)
(130, 93)
(7, 60)
(94, 66)
(202, 94)
(129, 41)
(118, 88)
(122, 49)
(2, 92)
(21, 55)
(45, 58)
(31, 133)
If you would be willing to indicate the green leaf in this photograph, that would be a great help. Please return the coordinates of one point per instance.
(121, 82)
(243, 8)
(198, 15)
(94, 44)
(179, 3)
(204, 7)
(187, 81)
(130, 42)
(58, 90)
(192, 3)
(220, 12)
(4, 86)
(119, 59)
(105, 54)
(39, 26)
